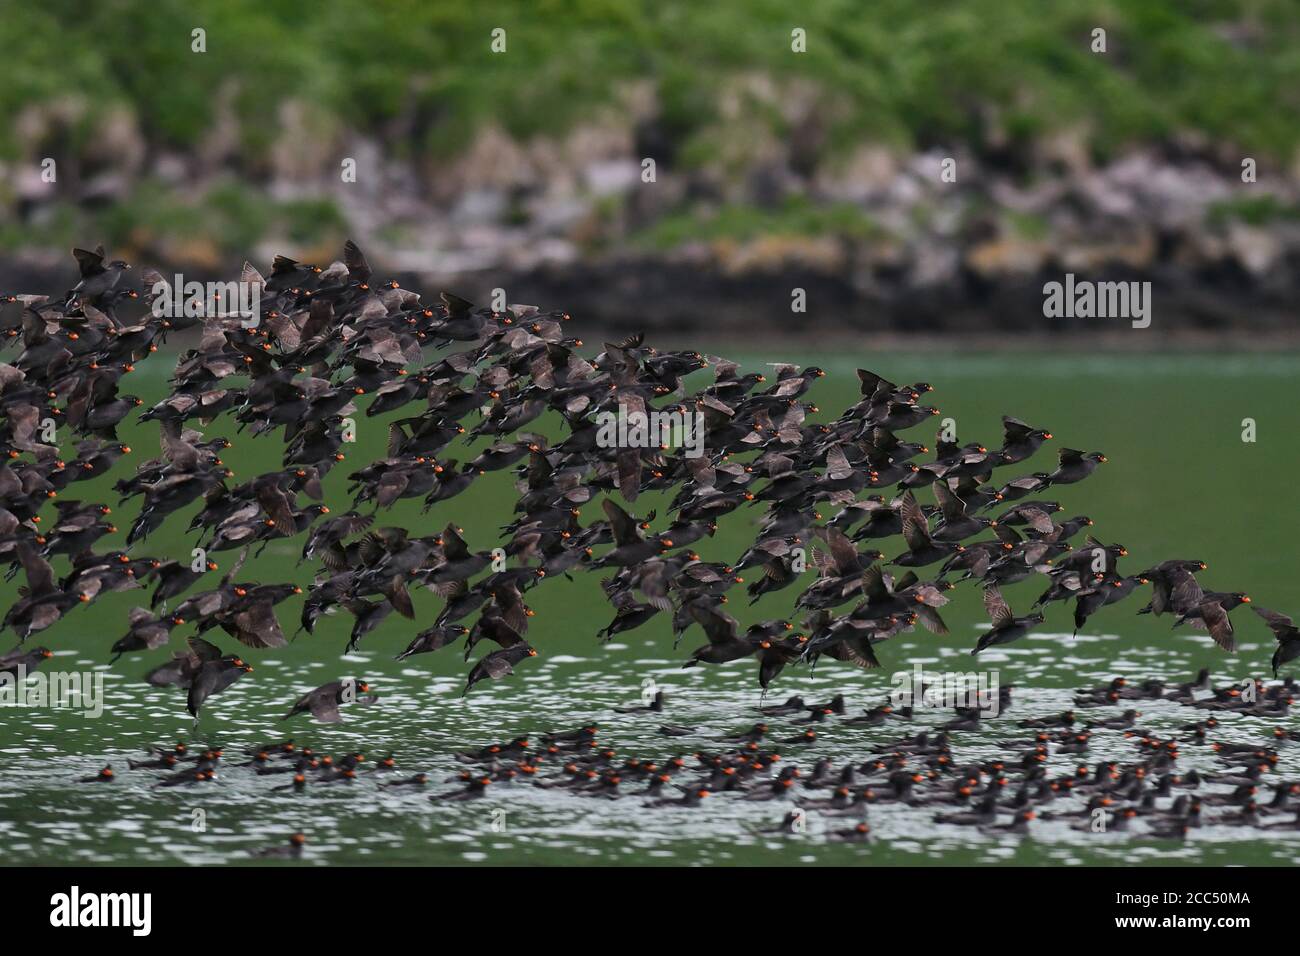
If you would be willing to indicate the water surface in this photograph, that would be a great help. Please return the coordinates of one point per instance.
(1181, 483)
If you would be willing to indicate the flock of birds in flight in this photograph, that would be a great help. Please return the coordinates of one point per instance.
(327, 337)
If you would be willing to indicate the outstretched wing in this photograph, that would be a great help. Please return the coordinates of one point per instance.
(620, 523)
(998, 610)
(1219, 624)
(1186, 592)
(356, 262)
(1013, 429)
(203, 651)
(1281, 625)
(954, 509)
(89, 263)
(916, 531)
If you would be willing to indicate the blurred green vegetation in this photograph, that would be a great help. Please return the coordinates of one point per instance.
(905, 71)
(996, 76)
(227, 211)
(797, 216)
(1254, 211)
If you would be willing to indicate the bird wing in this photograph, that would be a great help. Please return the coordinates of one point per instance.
(843, 551)
(324, 703)
(719, 626)
(837, 464)
(916, 532)
(40, 576)
(496, 629)
(655, 586)
(856, 651)
(89, 263)
(1281, 625)
(873, 584)
(455, 305)
(1219, 624)
(1160, 595)
(454, 547)
(724, 370)
(183, 455)
(257, 626)
(998, 610)
(351, 523)
(954, 509)
(930, 618)
(320, 317)
(1185, 593)
(248, 275)
(496, 665)
(283, 264)
(201, 687)
(1014, 430)
(510, 603)
(871, 382)
(620, 524)
(356, 262)
(277, 505)
(203, 651)
(213, 678)
(1038, 519)
(399, 597)
(629, 472)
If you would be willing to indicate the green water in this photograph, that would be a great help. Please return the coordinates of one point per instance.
(1180, 483)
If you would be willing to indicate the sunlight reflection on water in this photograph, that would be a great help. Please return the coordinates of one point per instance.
(422, 721)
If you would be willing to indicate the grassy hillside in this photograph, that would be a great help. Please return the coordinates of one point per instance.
(110, 88)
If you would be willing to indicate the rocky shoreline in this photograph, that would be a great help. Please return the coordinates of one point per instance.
(878, 239)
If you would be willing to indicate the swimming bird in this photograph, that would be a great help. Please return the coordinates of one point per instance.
(291, 850)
